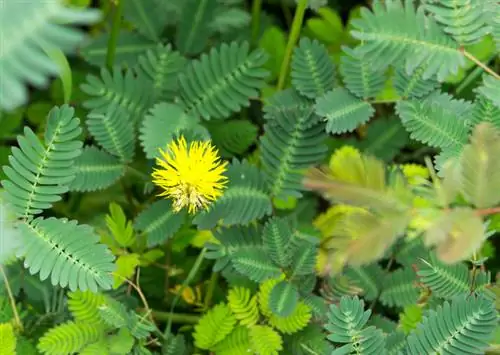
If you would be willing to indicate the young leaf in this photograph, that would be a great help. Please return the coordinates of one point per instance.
(120, 228)
(283, 299)
(276, 236)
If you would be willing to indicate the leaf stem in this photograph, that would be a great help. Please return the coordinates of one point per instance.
(113, 36)
(187, 280)
(137, 173)
(298, 19)
(210, 291)
(479, 63)
(17, 319)
(488, 211)
(256, 10)
(180, 318)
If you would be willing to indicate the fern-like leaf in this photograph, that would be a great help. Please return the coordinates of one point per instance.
(313, 72)
(342, 111)
(84, 306)
(413, 85)
(445, 281)
(7, 339)
(369, 278)
(294, 322)
(310, 340)
(265, 289)
(400, 288)
(290, 146)
(67, 252)
(284, 104)
(161, 66)
(463, 326)
(69, 338)
(359, 76)
(222, 81)
(95, 169)
(347, 326)
(214, 326)
(159, 222)
(147, 16)
(244, 306)
(130, 94)
(265, 340)
(236, 343)
(485, 111)
(245, 200)
(164, 122)
(396, 31)
(40, 172)
(303, 259)
(255, 265)
(276, 236)
(464, 20)
(113, 132)
(24, 59)
(431, 123)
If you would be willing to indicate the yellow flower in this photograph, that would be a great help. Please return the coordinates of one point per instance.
(191, 176)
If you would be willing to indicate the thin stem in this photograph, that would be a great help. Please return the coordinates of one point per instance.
(298, 19)
(115, 31)
(17, 319)
(479, 63)
(256, 10)
(210, 291)
(488, 211)
(187, 280)
(179, 318)
(286, 13)
(473, 75)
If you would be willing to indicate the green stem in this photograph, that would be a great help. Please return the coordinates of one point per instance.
(473, 75)
(113, 37)
(256, 10)
(298, 19)
(190, 276)
(17, 319)
(210, 290)
(179, 318)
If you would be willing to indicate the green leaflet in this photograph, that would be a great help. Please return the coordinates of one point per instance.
(342, 111)
(55, 247)
(159, 222)
(68, 337)
(283, 299)
(359, 76)
(214, 326)
(39, 173)
(313, 73)
(95, 169)
(464, 20)
(276, 238)
(7, 339)
(443, 331)
(234, 137)
(419, 39)
(399, 288)
(222, 81)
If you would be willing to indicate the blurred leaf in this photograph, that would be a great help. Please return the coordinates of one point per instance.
(273, 41)
(327, 27)
(11, 121)
(65, 73)
(125, 268)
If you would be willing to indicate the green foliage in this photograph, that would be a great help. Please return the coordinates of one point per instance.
(245, 200)
(419, 39)
(214, 327)
(292, 142)
(7, 339)
(67, 252)
(360, 145)
(68, 337)
(342, 111)
(222, 81)
(443, 330)
(95, 169)
(39, 173)
(49, 25)
(313, 73)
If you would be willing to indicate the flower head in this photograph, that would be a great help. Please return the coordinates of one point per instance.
(191, 176)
